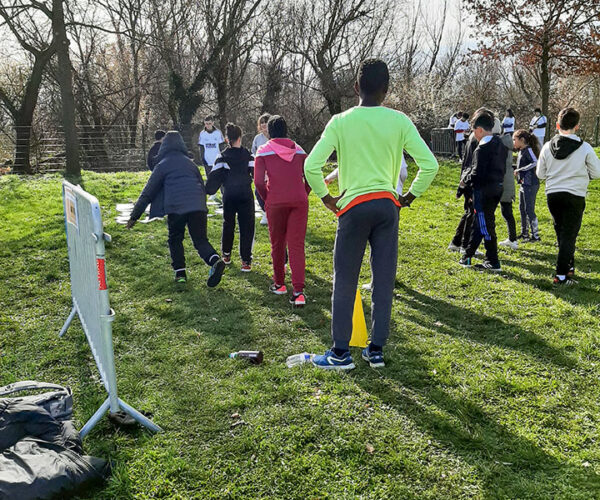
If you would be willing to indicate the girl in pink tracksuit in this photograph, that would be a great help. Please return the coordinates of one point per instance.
(279, 179)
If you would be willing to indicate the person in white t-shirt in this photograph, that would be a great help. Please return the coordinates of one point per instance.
(461, 127)
(508, 124)
(209, 144)
(453, 120)
(537, 126)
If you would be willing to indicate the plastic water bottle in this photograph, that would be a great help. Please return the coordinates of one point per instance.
(255, 357)
(298, 359)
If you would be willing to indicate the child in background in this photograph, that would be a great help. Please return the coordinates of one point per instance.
(508, 123)
(259, 140)
(567, 164)
(153, 152)
(508, 194)
(184, 203)
(529, 150)
(233, 171)
(209, 143)
(369, 140)
(453, 120)
(485, 180)
(286, 202)
(461, 127)
(537, 126)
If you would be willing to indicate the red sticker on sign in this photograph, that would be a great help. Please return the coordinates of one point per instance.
(101, 274)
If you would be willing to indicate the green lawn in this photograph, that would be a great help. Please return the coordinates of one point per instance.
(491, 388)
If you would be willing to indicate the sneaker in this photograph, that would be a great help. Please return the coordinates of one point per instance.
(566, 282)
(278, 289)
(513, 245)
(298, 299)
(216, 273)
(453, 248)
(263, 220)
(488, 266)
(331, 361)
(180, 276)
(465, 261)
(534, 239)
(571, 273)
(375, 359)
(246, 267)
(523, 236)
(226, 259)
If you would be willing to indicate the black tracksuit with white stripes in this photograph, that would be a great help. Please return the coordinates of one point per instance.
(234, 170)
(486, 178)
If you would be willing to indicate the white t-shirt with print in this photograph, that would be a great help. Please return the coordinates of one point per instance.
(538, 120)
(210, 141)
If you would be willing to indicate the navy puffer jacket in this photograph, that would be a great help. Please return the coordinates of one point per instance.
(178, 176)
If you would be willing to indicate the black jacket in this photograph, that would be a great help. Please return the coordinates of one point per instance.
(152, 155)
(467, 163)
(489, 164)
(180, 178)
(233, 170)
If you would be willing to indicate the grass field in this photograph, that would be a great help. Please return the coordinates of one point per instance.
(491, 388)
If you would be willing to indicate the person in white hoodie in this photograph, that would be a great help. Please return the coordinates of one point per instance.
(567, 164)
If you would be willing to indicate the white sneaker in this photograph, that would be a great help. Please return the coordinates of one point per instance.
(513, 245)
(264, 221)
(453, 248)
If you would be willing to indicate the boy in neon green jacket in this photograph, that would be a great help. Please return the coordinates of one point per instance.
(369, 140)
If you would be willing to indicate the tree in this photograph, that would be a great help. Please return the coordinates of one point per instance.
(549, 36)
(334, 36)
(191, 51)
(40, 45)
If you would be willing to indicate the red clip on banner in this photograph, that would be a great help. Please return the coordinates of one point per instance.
(101, 274)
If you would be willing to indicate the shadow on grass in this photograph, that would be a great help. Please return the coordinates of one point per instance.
(460, 322)
(510, 466)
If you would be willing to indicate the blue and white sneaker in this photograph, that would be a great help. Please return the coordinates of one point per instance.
(375, 359)
(331, 361)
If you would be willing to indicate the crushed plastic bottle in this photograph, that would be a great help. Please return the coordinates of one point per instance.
(299, 359)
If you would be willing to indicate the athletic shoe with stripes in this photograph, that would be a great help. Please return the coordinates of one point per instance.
(489, 266)
(278, 289)
(565, 282)
(298, 299)
(375, 359)
(331, 361)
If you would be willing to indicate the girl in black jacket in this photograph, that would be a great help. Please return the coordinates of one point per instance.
(234, 170)
(177, 176)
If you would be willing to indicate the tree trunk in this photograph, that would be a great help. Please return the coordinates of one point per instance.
(22, 164)
(65, 79)
(545, 77)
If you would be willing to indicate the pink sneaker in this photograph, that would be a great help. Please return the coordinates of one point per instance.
(278, 289)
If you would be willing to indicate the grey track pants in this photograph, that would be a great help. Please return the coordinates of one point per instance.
(375, 222)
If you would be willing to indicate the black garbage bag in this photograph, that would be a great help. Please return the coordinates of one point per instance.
(40, 454)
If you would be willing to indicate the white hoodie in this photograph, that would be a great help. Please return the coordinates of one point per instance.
(568, 166)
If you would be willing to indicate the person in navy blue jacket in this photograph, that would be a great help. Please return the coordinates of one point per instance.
(184, 203)
(529, 151)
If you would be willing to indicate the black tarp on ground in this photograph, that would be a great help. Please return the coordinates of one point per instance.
(40, 449)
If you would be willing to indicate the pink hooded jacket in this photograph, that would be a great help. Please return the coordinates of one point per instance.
(279, 173)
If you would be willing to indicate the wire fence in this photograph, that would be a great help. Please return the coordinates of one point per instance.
(114, 148)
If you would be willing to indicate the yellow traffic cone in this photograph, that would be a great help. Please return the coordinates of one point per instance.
(359, 325)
